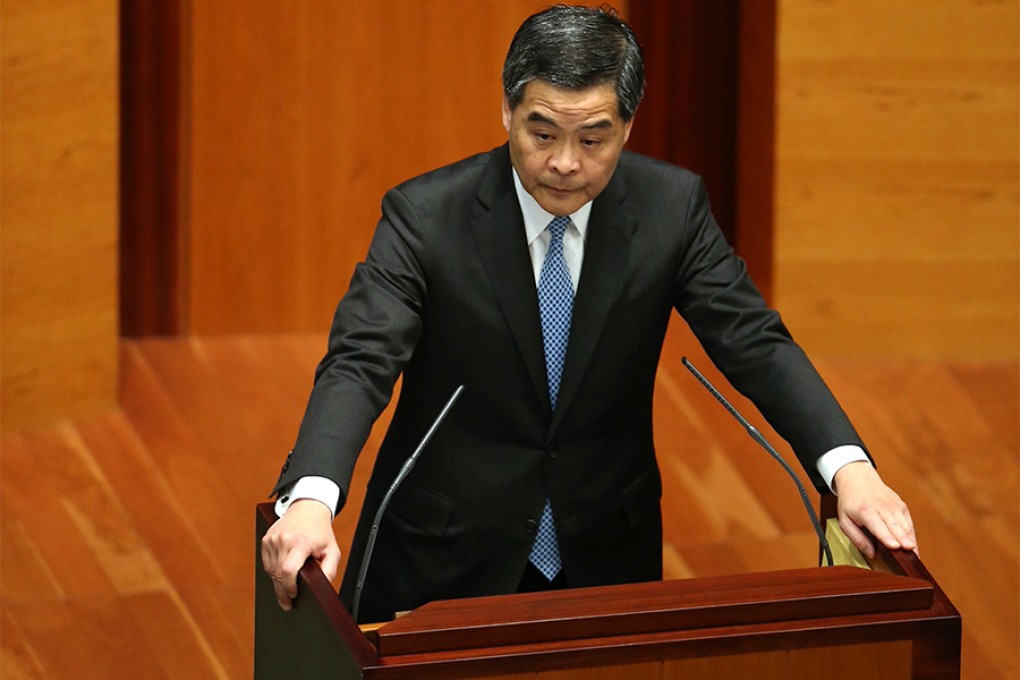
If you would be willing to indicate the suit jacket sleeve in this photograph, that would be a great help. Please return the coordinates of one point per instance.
(750, 344)
(374, 331)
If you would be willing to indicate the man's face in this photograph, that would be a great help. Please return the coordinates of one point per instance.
(564, 144)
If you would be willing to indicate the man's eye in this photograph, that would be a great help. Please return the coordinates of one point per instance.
(543, 136)
(591, 142)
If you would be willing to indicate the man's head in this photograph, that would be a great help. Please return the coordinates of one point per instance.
(576, 48)
(572, 80)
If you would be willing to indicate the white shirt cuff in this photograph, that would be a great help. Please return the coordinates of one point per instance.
(321, 489)
(830, 463)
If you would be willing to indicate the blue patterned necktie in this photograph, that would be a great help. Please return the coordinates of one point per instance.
(555, 306)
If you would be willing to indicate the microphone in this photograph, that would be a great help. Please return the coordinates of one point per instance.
(408, 464)
(758, 437)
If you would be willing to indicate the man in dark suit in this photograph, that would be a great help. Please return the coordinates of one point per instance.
(541, 275)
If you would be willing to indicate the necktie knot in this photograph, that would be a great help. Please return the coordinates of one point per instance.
(558, 227)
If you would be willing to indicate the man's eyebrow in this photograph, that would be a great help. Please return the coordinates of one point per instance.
(536, 117)
(601, 124)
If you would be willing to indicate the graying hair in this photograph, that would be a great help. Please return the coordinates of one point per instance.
(576, 48)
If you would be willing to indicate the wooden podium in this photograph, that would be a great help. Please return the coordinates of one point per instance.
(838, 622)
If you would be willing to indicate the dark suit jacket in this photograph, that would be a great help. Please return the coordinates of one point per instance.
(447, 296)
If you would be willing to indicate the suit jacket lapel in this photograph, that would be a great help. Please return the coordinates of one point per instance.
(499, 235)
(606, 259)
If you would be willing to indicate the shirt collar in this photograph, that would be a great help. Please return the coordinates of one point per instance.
(536, 219)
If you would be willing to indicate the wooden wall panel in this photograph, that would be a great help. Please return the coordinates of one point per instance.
(897, 228)
(58, 130)
(301, 116)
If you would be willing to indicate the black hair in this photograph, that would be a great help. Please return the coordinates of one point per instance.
(576, 48)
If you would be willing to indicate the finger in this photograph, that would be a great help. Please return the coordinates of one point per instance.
(883, 532)
(286, 586)
(283, 598)
(266, 554)
(913, 533)
(856, 536)
(904, 534)
(900, 528)
(272, 550)
(271, 565)
(331, 562)
(286, 603)
(296, 559)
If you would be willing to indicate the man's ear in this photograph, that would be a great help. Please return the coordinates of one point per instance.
(626, 129)
(506, 114)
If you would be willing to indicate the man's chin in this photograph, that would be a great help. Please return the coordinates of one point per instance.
(560, 203)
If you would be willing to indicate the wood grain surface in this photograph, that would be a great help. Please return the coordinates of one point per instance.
(127, 539)
(58, 198)
(301, 116)
(897, 219)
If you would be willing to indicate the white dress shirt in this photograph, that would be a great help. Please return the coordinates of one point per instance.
(536, 219)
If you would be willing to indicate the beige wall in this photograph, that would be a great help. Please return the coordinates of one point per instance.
(58, 135)
(897, 188)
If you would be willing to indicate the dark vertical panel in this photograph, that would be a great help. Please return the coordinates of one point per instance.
(756, 137)
(689, 113)
(150, 78)
(697, 107)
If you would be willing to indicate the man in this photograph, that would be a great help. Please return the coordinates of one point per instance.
(541, 275)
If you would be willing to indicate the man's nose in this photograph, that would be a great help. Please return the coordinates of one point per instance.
(565, 159)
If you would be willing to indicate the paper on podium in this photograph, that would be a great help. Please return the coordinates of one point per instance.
(845, 553)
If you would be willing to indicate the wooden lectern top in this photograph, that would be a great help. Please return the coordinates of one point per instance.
(651, 625)
(644, 608)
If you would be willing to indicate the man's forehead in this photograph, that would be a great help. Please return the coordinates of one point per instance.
(596, 106)
(544, 87)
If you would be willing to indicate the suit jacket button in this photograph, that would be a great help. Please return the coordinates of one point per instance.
(552, 452)
(530, 526)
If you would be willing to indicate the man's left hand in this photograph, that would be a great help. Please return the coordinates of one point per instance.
(865, 501)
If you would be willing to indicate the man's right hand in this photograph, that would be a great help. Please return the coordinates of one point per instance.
(305, 530)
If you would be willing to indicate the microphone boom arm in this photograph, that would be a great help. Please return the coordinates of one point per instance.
(760, 438)
(408, 464)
